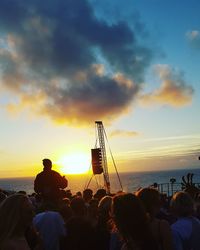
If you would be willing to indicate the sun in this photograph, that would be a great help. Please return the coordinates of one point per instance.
(75, 163)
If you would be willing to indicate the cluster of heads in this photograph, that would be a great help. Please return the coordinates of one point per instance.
(130, 212)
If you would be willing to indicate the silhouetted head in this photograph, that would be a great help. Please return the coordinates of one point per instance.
(104, 207)
(78, 206)
(100, 194)
(79, 194)
(182, 204)
(150, 198)
(105, 204)
(87, 194)
(131, 220)
(16, 214)
(47, 164)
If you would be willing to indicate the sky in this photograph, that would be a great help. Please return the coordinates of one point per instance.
(133, 64)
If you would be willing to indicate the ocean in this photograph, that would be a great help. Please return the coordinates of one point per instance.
(131, 181)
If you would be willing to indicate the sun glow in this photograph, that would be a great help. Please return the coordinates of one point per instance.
(77, 163)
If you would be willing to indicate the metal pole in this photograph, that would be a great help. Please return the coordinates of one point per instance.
(100, 130)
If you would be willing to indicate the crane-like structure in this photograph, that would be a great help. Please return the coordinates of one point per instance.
(100, 130)
(99, 158)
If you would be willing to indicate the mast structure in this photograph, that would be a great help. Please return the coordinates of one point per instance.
(99, 159)
(100, 130)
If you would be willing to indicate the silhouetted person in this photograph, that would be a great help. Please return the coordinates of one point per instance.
(16, 215)
(80, 231)
(49, 182)
(186, 230)
(103, 227)
(100, 194)
(150, 198)
(87, 195)
(132, 223)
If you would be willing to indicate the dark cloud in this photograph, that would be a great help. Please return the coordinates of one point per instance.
(50, 52)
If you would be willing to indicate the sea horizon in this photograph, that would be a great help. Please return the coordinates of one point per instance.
(111, 173)
(131, 181)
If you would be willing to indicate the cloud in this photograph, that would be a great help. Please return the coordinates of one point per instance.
(124, 133)
(74, 66)
(193, 38)
(173, 90)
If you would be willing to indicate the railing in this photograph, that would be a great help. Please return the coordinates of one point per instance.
(170, 188)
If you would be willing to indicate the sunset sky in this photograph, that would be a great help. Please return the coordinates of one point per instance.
(133, 64)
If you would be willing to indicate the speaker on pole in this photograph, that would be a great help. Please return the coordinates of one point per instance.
(97, 161)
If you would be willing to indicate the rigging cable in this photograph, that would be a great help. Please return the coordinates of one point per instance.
(113, 160)
(88, 182)
(86, 185)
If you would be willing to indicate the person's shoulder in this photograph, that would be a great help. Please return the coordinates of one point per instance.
(40, 174)
(54, 217)
(53, 214)
(183, 226)
(182, 222)
(46, 216)
(39, 215)
(55, 172)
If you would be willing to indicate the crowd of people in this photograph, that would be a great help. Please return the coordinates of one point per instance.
(55, 219)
